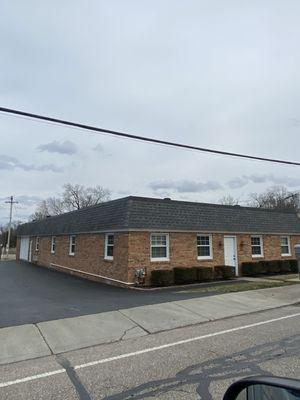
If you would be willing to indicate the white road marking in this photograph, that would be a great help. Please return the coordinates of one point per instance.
(149, 350)
(32, 378)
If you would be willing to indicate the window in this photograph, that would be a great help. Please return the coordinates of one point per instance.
(72, 245)
(37, 243)
(159, 243)
(204, 247)
(109, 246)
(53, 243)
(257, 246)
(285, 246)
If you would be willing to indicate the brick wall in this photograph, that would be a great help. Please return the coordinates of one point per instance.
(183, 251)
(132, 251)
(89, 255)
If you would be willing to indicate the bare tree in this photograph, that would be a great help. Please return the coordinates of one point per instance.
(77, 196)
(41, 211)
(4, 235)
(74, 197)
(275, 197)
(228, 200)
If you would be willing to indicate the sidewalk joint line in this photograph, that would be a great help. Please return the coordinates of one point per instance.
(43, 337)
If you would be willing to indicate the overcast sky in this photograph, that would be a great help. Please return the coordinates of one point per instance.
(215, 74)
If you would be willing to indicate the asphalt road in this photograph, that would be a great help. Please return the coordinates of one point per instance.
(32, 294)
(196, 362)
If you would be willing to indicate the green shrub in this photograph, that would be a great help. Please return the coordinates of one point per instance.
(252, 268)
(246, 268)
(285, 266)
(262, 267)
(185, 275)
(294, 266)
(205, 274)
(162, 277)
(269, 267)
(274, 266)
(224, 272)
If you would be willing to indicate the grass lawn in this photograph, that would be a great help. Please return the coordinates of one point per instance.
(238, 287)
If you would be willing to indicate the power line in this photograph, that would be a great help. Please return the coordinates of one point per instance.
(141, 138)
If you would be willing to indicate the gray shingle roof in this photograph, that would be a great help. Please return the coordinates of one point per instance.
(141, 213)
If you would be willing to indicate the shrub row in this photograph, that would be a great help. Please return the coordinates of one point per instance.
(181, 276)
(269, 267)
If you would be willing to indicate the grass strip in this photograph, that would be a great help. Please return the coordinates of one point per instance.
(238, 287)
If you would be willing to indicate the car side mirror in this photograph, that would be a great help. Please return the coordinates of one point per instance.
(264, 388)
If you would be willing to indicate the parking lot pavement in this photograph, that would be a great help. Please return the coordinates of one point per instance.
(30, 294)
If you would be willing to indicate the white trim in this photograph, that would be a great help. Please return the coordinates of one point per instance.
(160, 259)
(106, 257)
(236, 252)
(37, 243)
(70, 245)
(261, 255)
(210, 257)
(30, 251)
(91, 274)
(53, 241)
(288, 244)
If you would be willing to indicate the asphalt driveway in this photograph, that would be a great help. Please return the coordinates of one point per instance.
(31, 294)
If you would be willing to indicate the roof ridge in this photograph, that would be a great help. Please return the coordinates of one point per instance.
(213, 204)
(50, 217)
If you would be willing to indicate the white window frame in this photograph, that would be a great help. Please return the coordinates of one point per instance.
(288, 244)
(72, 253)
(106, 256)
(261, 255)
(210, 257)
(53, 244)
(157, 259)
(37, 243)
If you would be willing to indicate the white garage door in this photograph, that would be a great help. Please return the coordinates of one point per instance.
(24, 248)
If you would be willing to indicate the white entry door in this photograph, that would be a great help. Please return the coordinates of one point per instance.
(24, 248)
(230, 252)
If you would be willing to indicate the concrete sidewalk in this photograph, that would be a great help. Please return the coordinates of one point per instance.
(53, 337)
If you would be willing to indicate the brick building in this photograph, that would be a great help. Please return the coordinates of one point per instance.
(110, 241)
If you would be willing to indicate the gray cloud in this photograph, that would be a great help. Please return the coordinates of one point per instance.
(24, 199)
(27, 200)
(11, 163)
(185, 186)
(237, 183)
(244, 180)
(233, 94)
(66, 147)
(99, 148)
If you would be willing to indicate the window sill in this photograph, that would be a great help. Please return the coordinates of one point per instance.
(72, 254)
(108, 259)
(204, 258)
(159, 259)
(286, 255)
(257, 256)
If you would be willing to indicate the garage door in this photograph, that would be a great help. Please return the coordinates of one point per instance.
(24, 248)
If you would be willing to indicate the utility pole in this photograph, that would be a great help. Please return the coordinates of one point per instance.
(11, 202)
